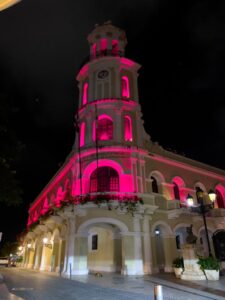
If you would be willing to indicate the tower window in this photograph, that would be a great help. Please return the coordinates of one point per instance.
(103, 47)
(104, 179)
(125, 87)
(103, 128)
(82, 134)
(128, 129)
(115, 49)
(176, 191)
(85, 93)
(154, 185)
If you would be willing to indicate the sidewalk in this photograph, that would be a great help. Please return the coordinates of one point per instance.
(173, 288)
(144, 284)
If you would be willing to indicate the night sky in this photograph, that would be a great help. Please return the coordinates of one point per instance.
(180, 45)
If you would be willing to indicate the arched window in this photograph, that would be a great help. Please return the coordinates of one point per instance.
(154, 185)
(125, 87)
(128, 136)
(219, 199)
(176, 191)
(104, 179)
(104, 128)
(85, 93)
(115, 49)
(82, 134)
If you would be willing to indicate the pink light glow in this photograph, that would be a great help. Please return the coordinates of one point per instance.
(85, 93)
(104, 128)
(82, 134)
(126, 181)
(106, 101)
(59, 176)
(185, 166)
(83, 72)
(115, 48)
(94, 47)
(125, 87)
(103, 45)
(128, 129)
(127, 62)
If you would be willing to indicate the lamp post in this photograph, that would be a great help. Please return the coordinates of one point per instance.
(202, 208)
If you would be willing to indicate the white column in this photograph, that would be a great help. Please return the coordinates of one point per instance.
(43, 258)
(69, 264)
(81, 252)
(147, 246)
(138, 246)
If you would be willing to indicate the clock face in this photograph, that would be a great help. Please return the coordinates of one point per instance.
(103, 74)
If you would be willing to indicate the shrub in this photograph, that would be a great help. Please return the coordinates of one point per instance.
(209, 263)
(178, 262)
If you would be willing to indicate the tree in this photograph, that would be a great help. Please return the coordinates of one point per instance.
(10, 150)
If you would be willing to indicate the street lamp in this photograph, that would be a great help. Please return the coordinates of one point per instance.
(46, 244)
(202, 208)
(29, 246)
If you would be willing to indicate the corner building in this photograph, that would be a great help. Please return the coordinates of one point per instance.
(118, 204)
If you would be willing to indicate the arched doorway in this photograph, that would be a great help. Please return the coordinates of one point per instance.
(163, 247)
(99, 246)
(104, 249)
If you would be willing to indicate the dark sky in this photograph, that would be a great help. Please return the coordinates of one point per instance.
(180, 45)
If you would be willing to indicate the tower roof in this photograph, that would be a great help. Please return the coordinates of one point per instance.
(107, 30)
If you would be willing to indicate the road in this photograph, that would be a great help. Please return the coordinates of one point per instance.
(33, 285)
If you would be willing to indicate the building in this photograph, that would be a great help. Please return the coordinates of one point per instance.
(118, 204)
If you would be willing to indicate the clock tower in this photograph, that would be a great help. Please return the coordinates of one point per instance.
(109, 112)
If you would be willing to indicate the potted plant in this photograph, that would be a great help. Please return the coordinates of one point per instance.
(178, 266)
(210, 266)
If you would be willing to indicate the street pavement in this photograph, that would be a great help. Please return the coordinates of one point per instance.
(25, 284)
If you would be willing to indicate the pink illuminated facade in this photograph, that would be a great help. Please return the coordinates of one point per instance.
(116, 183)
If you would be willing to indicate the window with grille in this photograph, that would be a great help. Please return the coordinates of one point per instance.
(104, 179)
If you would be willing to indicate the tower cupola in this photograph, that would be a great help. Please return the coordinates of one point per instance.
(107, 40)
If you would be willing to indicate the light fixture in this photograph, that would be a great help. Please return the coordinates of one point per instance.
(20, 248)
(46, 244)
(29, 247)
(157, 231)
(190, 200)
(212, 195)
